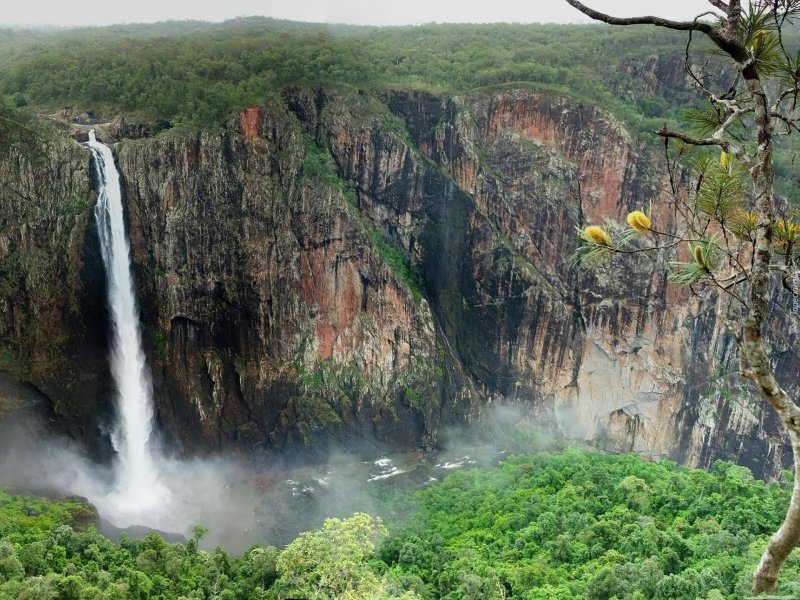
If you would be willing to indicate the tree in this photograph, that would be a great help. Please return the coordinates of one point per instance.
(741, 244)
(332, 563)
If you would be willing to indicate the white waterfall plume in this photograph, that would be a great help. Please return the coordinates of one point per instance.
(137, 489)
(143, 486)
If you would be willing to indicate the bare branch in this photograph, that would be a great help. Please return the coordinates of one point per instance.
(791, 124)
(786, 280)
(646, 20)
(779, 21)
(653, 248)
(732, 118)
(733, 327)
(696, 77)
(687, 139)
(728, 289)
(793, 91)
(726, 43)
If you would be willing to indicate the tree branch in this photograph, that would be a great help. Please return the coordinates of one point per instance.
(785, 280)
(687, 139)
(729, 45)
(646, 20)
(730, 35)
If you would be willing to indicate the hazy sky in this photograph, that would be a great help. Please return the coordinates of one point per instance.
(367, 12)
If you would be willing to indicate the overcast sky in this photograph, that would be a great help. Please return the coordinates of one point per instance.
(366, 12)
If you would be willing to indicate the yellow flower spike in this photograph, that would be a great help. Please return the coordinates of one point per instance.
(598, 235)
(724, 159)
(699, 256)
(639, 221)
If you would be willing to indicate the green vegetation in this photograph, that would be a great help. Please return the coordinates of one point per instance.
(162, 352)
(578, 525)
(196, 74)
(19, 125)
(321, 392)
(200, 72)
(398, 262)
(7, 358)
(421, 384)
(548, 526)
(318, 165)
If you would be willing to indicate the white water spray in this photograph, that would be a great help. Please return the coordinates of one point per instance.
(137, 489)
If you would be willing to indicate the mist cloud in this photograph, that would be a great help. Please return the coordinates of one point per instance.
(243, 502)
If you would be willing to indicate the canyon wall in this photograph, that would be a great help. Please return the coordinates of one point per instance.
(53, 320)
(342, 267)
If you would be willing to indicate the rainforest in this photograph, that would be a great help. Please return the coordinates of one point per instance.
(574, 524)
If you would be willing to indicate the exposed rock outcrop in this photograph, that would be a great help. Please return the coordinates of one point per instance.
(273, 318)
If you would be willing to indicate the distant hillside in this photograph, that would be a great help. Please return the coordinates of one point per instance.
(195, 72)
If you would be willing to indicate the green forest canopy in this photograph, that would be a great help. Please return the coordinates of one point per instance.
(199, 72)
(549, 526)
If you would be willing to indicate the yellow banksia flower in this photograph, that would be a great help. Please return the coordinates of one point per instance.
(598, 235)
(639, 221)
(700, 257)
(724, 159)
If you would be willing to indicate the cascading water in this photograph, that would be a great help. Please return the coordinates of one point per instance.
(137, 489)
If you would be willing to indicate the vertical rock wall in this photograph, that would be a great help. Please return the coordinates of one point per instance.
(337, 266)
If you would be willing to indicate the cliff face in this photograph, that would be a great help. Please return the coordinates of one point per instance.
(53, 330)
(274, 319)
(335, 265)
(620, 358)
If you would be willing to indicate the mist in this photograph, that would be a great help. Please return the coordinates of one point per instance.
(241, 501)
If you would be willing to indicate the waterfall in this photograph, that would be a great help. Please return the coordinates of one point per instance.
(137, 488)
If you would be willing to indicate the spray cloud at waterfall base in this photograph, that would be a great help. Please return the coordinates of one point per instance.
(209, 491)
(245, 502)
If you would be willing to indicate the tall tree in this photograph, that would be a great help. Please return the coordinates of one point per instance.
(741, 244)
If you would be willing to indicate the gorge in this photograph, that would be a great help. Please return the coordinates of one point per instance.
(336, 267)
(297, 310)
